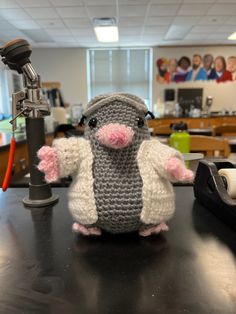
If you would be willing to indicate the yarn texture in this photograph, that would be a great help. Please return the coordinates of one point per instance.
(157, 191)
(76, 159)
(121, 176)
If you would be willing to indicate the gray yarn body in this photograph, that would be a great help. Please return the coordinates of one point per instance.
(117, 180)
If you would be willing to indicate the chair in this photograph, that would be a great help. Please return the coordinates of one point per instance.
(161, 130)
(209, 146)
(224, 130)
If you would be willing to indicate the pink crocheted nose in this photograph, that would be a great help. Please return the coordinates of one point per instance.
(115, 135)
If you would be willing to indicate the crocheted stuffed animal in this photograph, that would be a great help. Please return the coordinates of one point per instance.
(121, 175)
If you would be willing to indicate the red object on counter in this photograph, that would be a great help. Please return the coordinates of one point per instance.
(9, 165)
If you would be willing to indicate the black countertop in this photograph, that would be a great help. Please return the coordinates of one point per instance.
(44, 268)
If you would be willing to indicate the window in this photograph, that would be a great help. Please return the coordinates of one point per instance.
(120, 70)
(5, 107)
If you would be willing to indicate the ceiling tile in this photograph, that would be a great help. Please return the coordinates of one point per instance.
(222, 9)
(4, 25)
(102, 11)
(38, 35)
(186, 20)
(12, 14)
(58, 32)
(219, 36)
(8, 4)
(68, 45)
(226, 29)
(132, 10)
(193, 9)
(216, 41)
(231, 20)
(51, 23)
(225, 1)
(66, 3)
(166, 10)
(153, 37)
(77, 23)
(34, 3)
(131, 21)
(159, 20)
(141, 22)
(72, 12)
(42, 13)
(85, 39)
(45, 45)
(203, 29)
(166, 1)
(129, 31)
(133, 2)
(177, 32)
(11, 33)
(199, 36)
(212, 20)
(198, 1)
(25, 24)
(82, 32)
(130, 39)
(100, 2)
(155, 29)
(64, 39)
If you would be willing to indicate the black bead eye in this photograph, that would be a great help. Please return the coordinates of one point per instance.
(140, 122)
(93, 123)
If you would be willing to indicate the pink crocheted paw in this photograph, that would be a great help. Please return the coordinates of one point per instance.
(154, 230)
(49, 163)
(176, 169)
(93, 231)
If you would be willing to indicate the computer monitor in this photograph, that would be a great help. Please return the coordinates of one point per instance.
(189, 98)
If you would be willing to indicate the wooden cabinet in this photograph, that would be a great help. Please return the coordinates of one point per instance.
(193, 123)
(21, 161)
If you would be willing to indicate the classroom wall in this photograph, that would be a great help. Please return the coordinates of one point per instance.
(224, 94)
(66, 65)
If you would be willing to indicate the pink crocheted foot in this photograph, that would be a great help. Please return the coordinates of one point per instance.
(76, 227)
(153, 230)
(176, 168)
(49, 163)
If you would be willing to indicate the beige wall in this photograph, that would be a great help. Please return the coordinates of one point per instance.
(224, 93)
(66, 65)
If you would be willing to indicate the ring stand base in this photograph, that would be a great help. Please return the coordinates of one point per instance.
(40, 196)
(40, 203)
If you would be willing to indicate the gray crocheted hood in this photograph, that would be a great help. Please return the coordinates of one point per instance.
(104, 99)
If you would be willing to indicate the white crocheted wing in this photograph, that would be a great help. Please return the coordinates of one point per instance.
(71, 151)
(155, 155)
(157, 192)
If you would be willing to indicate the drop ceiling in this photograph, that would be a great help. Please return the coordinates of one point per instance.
(68, 23)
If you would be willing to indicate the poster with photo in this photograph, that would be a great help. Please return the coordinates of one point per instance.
(197, 68)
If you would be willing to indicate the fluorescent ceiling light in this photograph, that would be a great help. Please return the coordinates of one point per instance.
(232, 36)
(107, 34)
(106, 29)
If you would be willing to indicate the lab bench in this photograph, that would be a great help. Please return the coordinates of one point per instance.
(46, 269)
